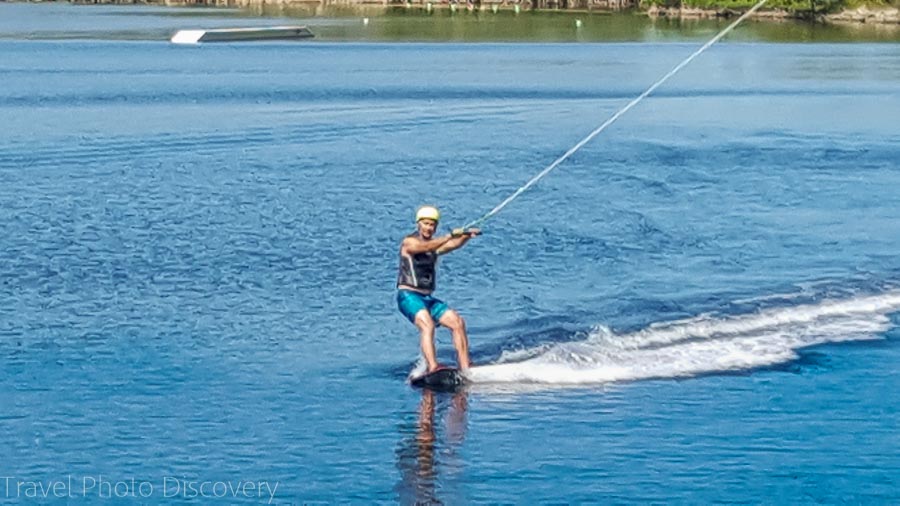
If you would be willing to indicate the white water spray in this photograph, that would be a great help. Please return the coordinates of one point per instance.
(701, 345)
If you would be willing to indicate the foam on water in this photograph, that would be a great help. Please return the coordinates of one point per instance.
(700, 345)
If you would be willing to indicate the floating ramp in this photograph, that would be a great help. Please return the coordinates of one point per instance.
(241, 34)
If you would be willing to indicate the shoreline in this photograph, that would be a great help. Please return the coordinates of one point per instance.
(862, 15)
(887, 16)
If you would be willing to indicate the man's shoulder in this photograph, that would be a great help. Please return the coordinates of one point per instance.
(409, 239)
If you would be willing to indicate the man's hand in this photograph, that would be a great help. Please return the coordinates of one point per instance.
(459, 232)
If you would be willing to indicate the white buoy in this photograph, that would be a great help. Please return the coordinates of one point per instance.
(365, 21)
(577, 23)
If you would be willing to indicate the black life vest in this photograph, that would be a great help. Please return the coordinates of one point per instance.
(418, 271)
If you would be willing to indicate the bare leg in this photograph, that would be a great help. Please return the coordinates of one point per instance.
(457, 326)
(426, 331)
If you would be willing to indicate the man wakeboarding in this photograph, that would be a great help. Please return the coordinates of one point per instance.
(419, 254)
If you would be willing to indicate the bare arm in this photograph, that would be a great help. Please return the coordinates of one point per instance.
(414, 245)
(460, 239)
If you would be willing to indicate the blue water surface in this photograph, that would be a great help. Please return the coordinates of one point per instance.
(199, 252)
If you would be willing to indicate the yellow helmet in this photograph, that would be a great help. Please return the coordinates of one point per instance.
(428, 213)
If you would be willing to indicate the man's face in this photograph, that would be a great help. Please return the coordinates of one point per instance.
(426, 228)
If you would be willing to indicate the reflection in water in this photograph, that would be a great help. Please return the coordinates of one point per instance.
(427, 449)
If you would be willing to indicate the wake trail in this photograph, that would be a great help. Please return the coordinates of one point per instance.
(705, 344)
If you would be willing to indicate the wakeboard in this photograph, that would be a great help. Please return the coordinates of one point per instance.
(442, 379)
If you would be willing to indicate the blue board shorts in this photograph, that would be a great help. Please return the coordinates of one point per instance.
(411, 302)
